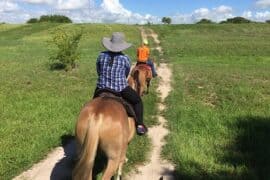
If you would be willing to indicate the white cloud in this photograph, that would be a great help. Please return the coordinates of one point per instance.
(202, 12)
(8, 6)
(216, 14)
(112, 11)
(223, 10)
(114, 7)
(247, 14)
(263, 3)
(39, 1)
(63, 4)
(257, 16)
(262, 16)
(72, 4)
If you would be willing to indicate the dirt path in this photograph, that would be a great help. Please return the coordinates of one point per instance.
(56, 166)
(157, 168)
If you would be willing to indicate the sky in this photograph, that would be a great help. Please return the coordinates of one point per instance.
(135, 11)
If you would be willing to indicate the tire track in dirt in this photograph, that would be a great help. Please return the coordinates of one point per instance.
(157, 167)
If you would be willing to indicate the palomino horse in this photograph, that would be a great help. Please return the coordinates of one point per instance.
(103, 124)
(140, 78)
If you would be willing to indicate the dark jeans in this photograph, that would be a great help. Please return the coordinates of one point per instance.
(133, 98)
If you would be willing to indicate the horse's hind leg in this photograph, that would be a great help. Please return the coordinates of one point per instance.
(148, 85)
(110, 169)
(122, 161)
(120, 168)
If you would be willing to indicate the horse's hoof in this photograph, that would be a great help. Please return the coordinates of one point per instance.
(119, 178)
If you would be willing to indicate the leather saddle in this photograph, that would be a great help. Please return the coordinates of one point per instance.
(107, 93)
(143, 65)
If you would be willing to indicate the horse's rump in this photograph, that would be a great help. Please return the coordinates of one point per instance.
(140, 78)
(103, 122)
(145, 68)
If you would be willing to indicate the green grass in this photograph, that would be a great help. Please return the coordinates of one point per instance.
(39, 106)
(219, 110)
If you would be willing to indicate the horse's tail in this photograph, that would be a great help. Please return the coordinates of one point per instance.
(137, 81)
(84, 166)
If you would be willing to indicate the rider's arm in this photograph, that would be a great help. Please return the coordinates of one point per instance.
(98, 65)
(148, 52)
(138, 50)
(128, 64)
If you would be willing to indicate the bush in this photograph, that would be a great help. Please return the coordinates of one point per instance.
(166, 20)
(67, 49)
(55, 18)
(205, 21)
(237, 20)
(32, 20)
(50, 18)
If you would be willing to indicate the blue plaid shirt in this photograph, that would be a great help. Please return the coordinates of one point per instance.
(112, 69)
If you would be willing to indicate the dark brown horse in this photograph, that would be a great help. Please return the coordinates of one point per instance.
(140, 78)
(103, 124)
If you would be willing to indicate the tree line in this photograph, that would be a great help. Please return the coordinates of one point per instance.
(50, 18)
(235, 20)
(164, 20)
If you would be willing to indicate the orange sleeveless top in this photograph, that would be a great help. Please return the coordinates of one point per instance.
(143, 54)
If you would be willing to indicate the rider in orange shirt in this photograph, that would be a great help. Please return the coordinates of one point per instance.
(143, 53)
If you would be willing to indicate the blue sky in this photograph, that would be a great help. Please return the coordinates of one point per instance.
(170, 7)
(135, 11)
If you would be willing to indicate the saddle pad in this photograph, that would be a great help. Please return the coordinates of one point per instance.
(127, 106)
(145, 66)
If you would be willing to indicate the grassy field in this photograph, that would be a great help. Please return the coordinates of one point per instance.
(39, 107)
(219, 110)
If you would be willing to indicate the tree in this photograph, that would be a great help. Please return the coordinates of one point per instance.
(51, 18)
(205, 21)
(66, 54)
(268, 21)
(166, 20)
(55, 18)
(32, 20)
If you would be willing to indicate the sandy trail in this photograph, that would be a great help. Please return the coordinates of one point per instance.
(58, 164)
(157, 168)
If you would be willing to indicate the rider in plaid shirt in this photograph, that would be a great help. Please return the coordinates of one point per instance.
(113, 70)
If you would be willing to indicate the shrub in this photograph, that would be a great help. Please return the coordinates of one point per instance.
(51, 18)
(237, 20)
(67, 49)
(166, 20)
(32, 20)
(205, 21)
(55, 18)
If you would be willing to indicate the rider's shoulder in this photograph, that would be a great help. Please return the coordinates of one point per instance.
(122, 55)
(104, 53)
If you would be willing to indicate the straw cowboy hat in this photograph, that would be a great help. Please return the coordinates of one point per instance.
(116, 43)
